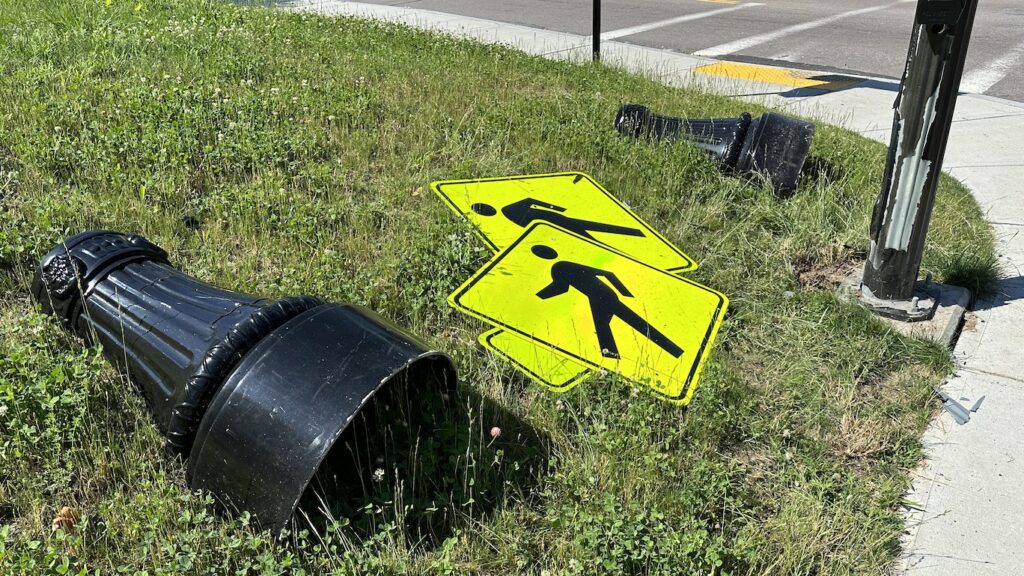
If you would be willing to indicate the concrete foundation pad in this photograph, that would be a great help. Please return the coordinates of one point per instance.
(943, 327)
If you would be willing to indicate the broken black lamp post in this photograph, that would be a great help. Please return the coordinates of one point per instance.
(253, 392)
(772, 145)
(923, 116)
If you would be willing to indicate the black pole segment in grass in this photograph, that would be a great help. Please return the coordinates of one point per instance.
(772, 145)
(596, 31)
(252, 391)
(923, 115)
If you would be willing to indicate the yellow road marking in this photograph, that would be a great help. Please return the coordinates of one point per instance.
(781, 76)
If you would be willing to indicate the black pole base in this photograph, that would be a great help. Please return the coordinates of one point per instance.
(253, 392)
(919, 308)
(772, 145)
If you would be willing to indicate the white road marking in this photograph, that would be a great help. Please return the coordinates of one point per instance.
(979, 81)
(750, 41)
(662, 23)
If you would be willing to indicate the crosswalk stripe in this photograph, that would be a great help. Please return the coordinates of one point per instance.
(981, 80)
(750, 41)
(677, 20)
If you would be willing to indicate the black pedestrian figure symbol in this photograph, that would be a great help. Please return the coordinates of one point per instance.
(529, 210)
(604, 302)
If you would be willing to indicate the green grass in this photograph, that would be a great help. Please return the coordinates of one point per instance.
(305, 145)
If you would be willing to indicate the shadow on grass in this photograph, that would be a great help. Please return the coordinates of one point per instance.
(822, 170)
(980, 275)
(428, 463)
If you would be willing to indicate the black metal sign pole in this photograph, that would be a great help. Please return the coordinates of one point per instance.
(597, 30)
(924, 113)
(252, 391)
(772, 144)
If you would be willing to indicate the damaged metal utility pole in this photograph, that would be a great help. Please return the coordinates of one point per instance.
(924, 113)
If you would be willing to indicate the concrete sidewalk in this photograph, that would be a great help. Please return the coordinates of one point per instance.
(971, 514)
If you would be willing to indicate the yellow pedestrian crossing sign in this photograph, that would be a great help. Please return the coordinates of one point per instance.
(598, 307)
(543, 365)
(500, 210)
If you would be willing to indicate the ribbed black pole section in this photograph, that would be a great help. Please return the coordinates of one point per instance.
(176, 336)
(596, 33)
(254, 392)
(772, 144)
(924, 114)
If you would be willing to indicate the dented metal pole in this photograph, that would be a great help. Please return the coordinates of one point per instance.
(924, 113)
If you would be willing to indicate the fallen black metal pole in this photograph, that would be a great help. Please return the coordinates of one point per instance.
(254, 392)
(772, 144)
(924, 114)
(596, 30)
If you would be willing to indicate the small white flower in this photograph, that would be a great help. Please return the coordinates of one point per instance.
(378, 475)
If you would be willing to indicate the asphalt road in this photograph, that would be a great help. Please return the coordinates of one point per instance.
(868, 37)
